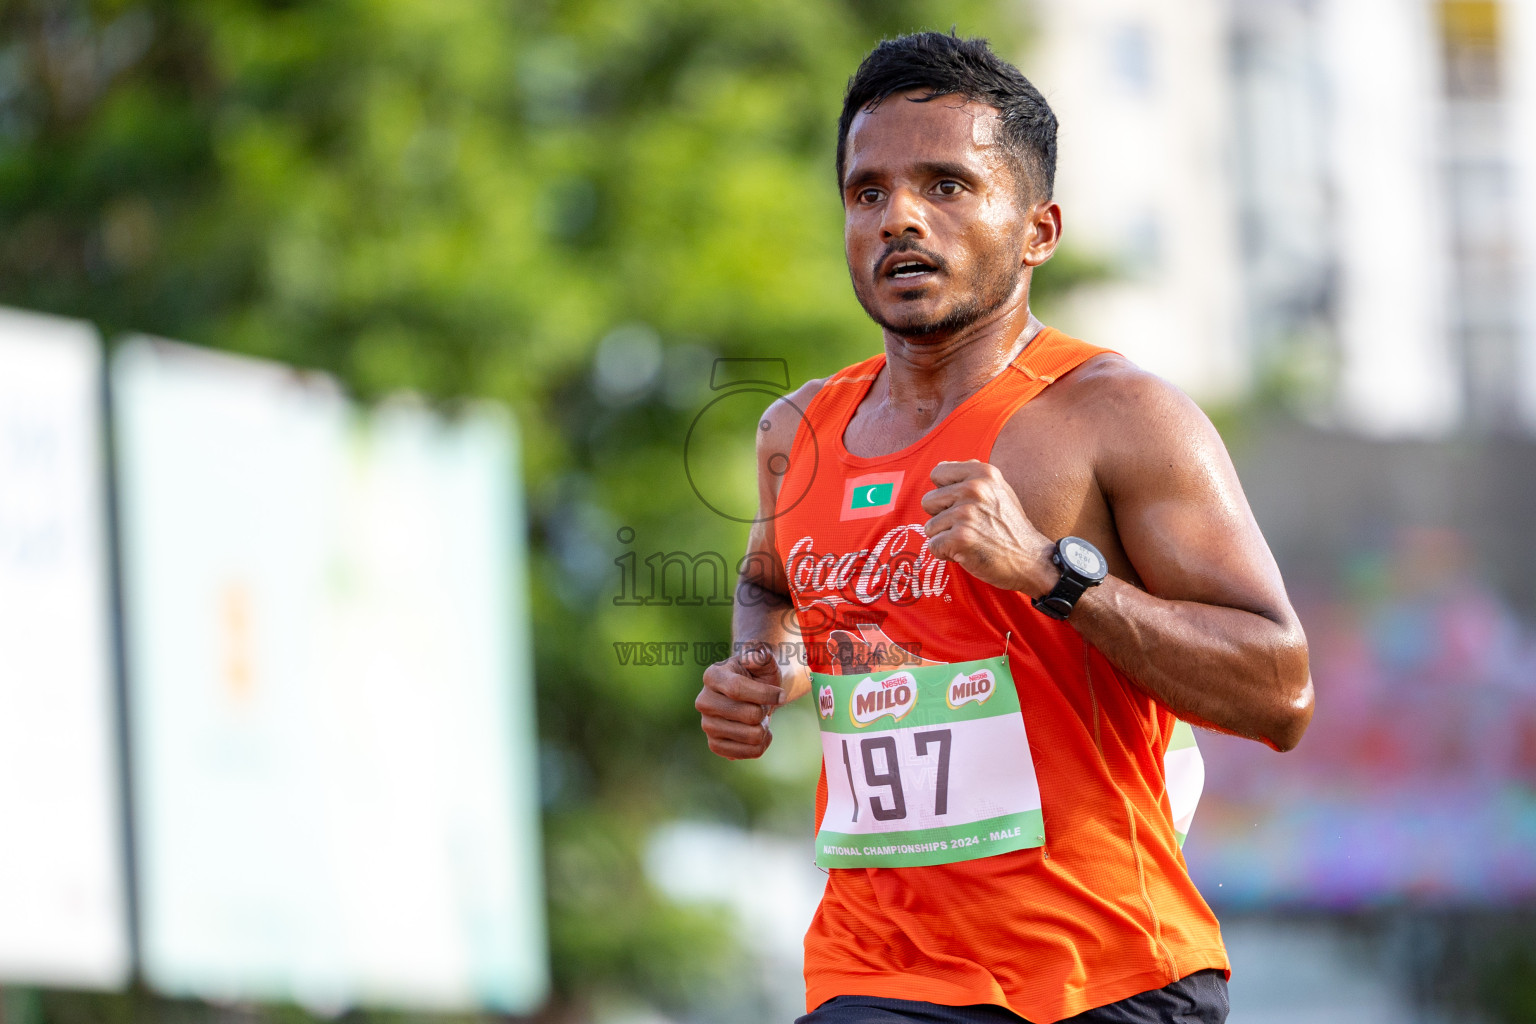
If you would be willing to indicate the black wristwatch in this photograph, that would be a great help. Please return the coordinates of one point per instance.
(1081, 567)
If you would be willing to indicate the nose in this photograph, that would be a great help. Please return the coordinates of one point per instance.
(903, 216)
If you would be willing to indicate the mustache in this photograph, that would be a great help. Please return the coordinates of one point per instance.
(908, 245)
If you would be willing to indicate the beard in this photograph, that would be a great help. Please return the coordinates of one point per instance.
(986, 290)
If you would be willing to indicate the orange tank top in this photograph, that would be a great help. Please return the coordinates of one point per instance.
(1105, 908)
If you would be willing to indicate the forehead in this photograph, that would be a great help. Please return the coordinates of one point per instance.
(944, 129)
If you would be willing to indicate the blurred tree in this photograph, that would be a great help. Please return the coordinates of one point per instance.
(572, 207)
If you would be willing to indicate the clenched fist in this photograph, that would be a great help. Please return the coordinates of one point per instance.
(739, 695)
(978, 524)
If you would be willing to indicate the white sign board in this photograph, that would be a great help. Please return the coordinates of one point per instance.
(330, 699)
(63, 917)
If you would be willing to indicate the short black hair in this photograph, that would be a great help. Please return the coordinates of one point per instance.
(947, 65)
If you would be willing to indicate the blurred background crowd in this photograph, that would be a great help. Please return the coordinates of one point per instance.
(386, 710)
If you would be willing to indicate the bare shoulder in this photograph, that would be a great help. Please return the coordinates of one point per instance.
(1137, 420)
(782, 419)
(1112, 386)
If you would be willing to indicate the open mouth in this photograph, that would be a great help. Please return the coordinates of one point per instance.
(909, 269)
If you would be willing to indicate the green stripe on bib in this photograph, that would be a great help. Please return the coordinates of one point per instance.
(922, 847)
(958, 692)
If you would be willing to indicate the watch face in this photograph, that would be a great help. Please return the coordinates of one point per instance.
(1082, 558)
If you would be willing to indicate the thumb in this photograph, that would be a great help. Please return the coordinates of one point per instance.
(758, 661)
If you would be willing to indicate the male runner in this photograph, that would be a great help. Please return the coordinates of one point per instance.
(995, 809)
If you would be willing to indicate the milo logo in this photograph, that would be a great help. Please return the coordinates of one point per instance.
(894, 695)
(825, 702)
(977, 686)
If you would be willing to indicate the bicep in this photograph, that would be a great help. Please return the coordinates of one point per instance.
(1182, 517)
(775, 445)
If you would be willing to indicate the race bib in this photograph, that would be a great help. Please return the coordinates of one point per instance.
(925, 765)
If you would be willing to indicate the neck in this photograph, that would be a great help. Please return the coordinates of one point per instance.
(932, 374)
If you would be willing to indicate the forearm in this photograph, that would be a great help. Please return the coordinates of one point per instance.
(763, 615)
(1229, 669)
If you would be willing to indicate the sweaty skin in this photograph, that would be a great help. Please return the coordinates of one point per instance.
(985, 129)
(1194, 610)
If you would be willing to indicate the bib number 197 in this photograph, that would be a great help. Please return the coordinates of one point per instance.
(889, 773)
(925, 765)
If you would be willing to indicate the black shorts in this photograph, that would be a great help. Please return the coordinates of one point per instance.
(1200, 998)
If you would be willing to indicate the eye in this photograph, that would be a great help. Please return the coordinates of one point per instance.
(949, 187)
(869, 195)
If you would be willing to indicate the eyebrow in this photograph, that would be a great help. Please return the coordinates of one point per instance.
(927, 169)
(946, 169)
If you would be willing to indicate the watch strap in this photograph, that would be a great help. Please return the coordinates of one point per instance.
(1058, 604)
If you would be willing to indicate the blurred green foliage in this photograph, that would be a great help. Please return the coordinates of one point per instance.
(570, 207)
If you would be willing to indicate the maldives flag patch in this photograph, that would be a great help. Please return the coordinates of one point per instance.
(873, 494)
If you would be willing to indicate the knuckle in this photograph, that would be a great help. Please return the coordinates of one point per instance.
(740, 712)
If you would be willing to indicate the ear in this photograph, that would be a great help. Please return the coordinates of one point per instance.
(1042, 232)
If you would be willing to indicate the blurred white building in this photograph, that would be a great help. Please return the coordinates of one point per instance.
(1144, 180)
(1336, 197)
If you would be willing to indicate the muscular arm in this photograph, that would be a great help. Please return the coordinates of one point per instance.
(1209, 632)
(1213, 636)
(740, 693)
(764, 611)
